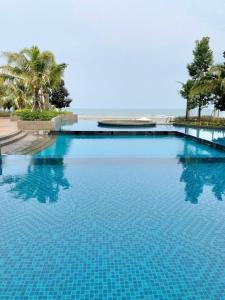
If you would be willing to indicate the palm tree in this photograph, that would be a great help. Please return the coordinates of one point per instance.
(2, 89)
(212, 85)
(34, 73)
(4, 101)
(12, 95)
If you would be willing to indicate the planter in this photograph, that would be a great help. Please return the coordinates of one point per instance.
(14, 118)
(45, 125)
(36, 125)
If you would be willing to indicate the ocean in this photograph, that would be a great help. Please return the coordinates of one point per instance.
(84, 112)
(136, 113)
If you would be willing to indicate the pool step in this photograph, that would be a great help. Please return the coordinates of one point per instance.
(38, 145)
(12, 138)
(6, 137)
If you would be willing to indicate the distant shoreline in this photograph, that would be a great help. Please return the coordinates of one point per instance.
(159, 114)
(160, 120)
(101, 117)
(93, 114)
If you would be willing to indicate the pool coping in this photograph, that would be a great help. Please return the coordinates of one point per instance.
(139, 133)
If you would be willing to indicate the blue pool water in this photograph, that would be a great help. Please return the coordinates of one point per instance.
(149, 146)
(213, 135)
(86, 125)
(113, 219)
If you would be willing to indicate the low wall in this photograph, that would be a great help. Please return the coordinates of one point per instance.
(45, 125)
(69, 117)
(14, 118)
(117, 133)
(35, 125)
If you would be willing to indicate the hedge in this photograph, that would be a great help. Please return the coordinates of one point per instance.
(28, 115)
(204, 121)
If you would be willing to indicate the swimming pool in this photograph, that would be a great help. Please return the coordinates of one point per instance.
(113, 218)
(214, 135)
(127, 146)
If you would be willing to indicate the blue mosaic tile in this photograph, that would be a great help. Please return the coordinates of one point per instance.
(112, 229)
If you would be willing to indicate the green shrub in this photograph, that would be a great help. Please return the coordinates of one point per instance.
(28, 115)
(204, 121)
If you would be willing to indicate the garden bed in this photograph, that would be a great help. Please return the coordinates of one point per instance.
(45, 125)
(204, 122)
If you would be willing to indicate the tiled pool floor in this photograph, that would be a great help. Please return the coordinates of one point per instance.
(113, 227)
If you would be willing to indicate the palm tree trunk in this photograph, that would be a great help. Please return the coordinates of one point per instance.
(199, 111)
(36, 104)
(214, 112)
(187, 112)
(46, 101)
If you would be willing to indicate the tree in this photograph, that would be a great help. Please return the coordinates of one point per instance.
(59, 97)
(5, 101)
(2, 91)
(203, 60)
(7, 104)
(12, 96)
(36, 72)
(185, 93)
(213, 85)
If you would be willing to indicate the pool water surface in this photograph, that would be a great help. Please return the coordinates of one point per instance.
(128, 146)
(214, 135)
(113, 218)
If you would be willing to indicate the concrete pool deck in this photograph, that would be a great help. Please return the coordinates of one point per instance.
(7, 126)
(15, 141)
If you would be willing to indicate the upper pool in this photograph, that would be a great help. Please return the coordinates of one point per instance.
(89, 125)
(213, 135)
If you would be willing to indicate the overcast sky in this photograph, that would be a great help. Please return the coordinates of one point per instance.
(120, 53)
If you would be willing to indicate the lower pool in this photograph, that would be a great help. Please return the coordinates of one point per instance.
(114, 218)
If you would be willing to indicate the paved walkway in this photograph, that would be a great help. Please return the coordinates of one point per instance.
(29, 144)
(7, 126)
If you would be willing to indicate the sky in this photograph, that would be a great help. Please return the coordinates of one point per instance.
(120, 53)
